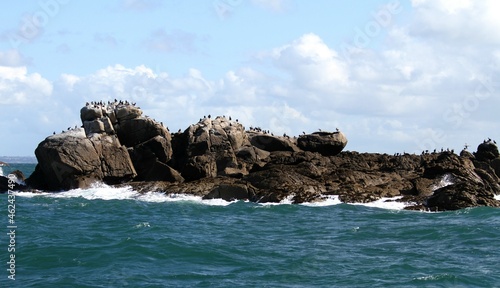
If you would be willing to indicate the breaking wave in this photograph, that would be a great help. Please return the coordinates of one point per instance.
(105, 192)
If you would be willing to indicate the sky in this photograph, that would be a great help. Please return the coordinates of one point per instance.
(394, 76)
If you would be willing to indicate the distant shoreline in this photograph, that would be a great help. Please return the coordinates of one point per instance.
(19, 159)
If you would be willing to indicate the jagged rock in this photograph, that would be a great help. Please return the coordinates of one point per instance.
(219, 159)
(461, 195)
(150, 158)
(278, 183)
(229, 192)
(208, 148)
(14, 184)
(71, 160)
(272, 143)
(487, 151)
(325, 143)
(495, 164)
(90, 113)
(135, 131)
(127, 112)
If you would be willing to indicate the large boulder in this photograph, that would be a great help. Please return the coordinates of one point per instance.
(208, 148)
(102, 150)
(462, 195)
(72, 160)
(271, 143)
(487, 151)
(325, 143)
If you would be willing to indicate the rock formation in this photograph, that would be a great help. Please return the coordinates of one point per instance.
(218, 158)
(325, 143)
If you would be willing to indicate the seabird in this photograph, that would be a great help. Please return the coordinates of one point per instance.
(209, 116)
(337, 129)
(236, 120)
(229, 118)
(54, 133)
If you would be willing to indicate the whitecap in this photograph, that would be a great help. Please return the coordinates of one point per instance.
(30, 194)
(386, 203)
(159, 197)
(105, 192)
(96, 191)
(288, 200)
(99, 191)
(328, 200)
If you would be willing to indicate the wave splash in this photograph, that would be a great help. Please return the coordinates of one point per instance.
(104, 192)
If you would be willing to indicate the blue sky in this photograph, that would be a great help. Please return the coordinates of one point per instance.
(393, 75)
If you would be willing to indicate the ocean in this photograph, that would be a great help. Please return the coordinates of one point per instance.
(115, 237)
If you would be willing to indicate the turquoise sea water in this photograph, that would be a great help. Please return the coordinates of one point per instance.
(107, 237)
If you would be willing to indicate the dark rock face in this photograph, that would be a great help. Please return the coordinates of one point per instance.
(13, 184)
(325, 143)
(272, 143)
(487, 151)
(209, 148)
(217, 158)
(102, 150)
(461, 195)
(72, 160)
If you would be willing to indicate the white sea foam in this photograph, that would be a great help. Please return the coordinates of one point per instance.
(31, 194)
(446, 180)
(98, 191)
(328, 200)
(288, 200)
(159, 197)
(386, 203)
(1, 171)
(105, 192)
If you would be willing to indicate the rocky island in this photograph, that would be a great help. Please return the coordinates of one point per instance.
(218, 158)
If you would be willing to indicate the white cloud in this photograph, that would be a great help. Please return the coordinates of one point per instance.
(430, 84)
(312, 63)
(17, 87)
(466, 22)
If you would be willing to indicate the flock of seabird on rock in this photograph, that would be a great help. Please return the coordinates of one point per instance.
(100, 104)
